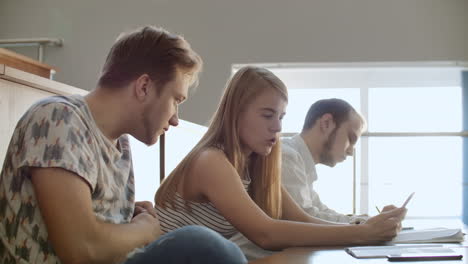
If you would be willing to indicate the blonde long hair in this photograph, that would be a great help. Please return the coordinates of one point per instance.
(223, 132)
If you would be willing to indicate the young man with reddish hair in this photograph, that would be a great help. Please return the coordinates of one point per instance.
(67, 185)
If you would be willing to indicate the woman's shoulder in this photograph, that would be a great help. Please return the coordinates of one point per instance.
(213, 168)
(212, 155)
(211, 161)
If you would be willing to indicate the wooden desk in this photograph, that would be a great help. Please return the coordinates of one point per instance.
(337, 255)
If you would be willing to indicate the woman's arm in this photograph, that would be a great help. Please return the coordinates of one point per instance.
(213, 177)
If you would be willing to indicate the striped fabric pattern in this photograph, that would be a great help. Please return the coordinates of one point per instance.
(203, 214)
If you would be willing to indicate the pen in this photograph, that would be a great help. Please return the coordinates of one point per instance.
(407, 200)
(378, 210)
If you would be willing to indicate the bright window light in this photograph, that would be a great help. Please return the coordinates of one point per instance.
(414, 98)
(420, 109)
(179, 141)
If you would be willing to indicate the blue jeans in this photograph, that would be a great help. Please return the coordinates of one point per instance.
(190, 244)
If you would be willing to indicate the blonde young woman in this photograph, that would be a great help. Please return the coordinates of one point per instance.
(230, 181)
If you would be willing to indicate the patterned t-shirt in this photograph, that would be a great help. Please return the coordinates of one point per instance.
(59, 132)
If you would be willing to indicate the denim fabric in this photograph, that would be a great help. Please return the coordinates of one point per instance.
(190, 244)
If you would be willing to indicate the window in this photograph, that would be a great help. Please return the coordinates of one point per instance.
(428, 165)
(179, 141)
(413, 140)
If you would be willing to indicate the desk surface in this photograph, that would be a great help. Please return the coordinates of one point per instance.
(325, 255)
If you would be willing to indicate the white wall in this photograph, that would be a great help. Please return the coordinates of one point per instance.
(243, 31)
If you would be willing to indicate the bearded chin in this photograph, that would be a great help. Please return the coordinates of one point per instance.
(148, 135)
(326, 157)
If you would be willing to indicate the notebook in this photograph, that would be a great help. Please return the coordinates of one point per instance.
(384, 251)
(432, 235)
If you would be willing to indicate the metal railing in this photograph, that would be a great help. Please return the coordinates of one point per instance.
(31, 42)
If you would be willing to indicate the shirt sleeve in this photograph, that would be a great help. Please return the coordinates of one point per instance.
(57, 135)
(322, 211)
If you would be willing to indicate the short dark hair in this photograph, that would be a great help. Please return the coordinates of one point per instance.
(149, 50)
(338, 108)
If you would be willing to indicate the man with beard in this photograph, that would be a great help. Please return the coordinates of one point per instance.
(330, 131)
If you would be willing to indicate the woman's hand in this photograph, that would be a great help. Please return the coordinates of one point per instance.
(384, 226)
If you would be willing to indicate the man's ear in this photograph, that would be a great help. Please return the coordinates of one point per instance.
(141, 86)
(327, 123)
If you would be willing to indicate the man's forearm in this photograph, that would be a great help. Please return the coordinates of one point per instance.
(77, 235)
(111, 243)
(327, 216)
(316, 220)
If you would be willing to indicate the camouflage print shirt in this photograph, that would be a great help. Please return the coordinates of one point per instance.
(59, 132)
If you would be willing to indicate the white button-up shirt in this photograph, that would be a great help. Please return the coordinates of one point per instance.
(298, 177)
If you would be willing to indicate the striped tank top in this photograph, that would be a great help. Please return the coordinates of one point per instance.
(203, 214)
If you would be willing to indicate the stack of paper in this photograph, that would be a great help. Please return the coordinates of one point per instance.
(433, 235)
(384, 251)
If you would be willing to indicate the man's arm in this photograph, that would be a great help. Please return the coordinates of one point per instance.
(293, 212)
(294, 179)
(322, 211)
(76, 234)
